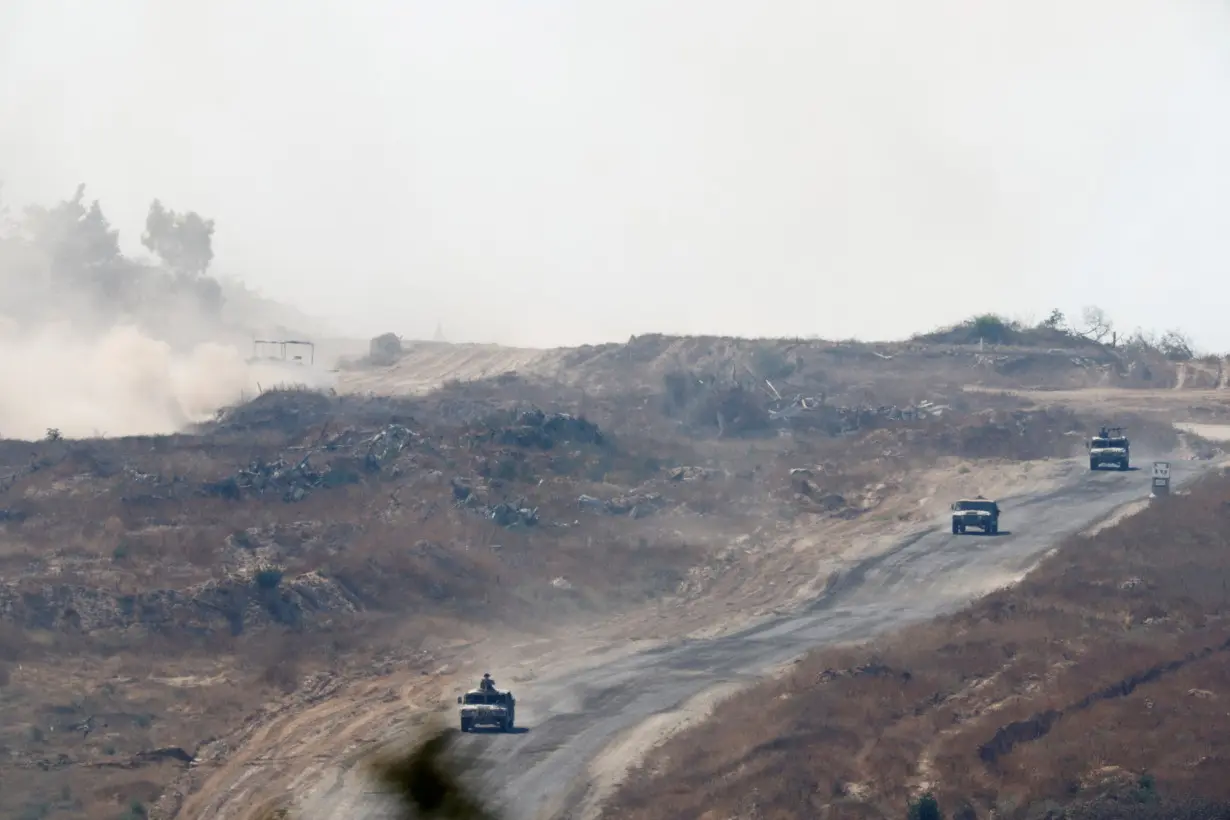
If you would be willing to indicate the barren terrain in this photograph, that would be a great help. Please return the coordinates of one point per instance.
(212, 623)
(562, 763)
(1101, 672)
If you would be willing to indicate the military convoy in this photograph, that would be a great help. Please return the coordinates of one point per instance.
(488, 707)
(1109, 447)
(979, 513)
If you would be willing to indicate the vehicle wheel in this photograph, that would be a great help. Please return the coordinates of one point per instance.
(955, 528)
(1123, 466)
(995, 529)
(465, 725)
(1093, 465)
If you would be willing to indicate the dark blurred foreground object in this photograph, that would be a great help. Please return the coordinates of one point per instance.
(426, 781)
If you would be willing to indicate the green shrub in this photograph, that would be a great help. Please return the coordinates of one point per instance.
(268, 578)
(924, 808)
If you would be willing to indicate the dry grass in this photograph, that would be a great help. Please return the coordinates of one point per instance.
(135, 593)
(140, 610)
(1108, 663)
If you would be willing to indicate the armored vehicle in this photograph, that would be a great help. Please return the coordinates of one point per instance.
(978, 512)
(1109, 447)
(487, 706)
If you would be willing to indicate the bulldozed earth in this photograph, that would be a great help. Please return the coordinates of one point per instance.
(190, 625)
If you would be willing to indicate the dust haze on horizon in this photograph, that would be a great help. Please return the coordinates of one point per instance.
(570, 172)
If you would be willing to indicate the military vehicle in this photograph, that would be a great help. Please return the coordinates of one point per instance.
(487, 706)
(1109, 447)
(976, 512)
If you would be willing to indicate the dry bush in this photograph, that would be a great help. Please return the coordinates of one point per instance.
(1113, 657)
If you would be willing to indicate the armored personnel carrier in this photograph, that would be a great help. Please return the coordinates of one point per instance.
(487, 706)
(978, 512)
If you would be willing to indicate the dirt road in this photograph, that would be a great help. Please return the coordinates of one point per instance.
(581, 730)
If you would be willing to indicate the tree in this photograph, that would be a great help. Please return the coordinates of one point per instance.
(75, 238)
(925, 808)
(184, 242)
(1176, 346)
(993, 329)
(1098, 325)
(1055, 321)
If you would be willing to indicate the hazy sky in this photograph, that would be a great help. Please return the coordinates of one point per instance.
(545, 171)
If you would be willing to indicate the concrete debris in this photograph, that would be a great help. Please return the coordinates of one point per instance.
(705, 401)
(852, 418)
(636, 505)
(588, 502)
(471, 496)
(690, 474)
(295, 481)
(510, 515)
(260, 477)
(386, 446)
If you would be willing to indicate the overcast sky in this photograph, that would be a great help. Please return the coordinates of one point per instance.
(563, 171)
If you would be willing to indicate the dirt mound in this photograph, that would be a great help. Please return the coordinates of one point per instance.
(846, 373)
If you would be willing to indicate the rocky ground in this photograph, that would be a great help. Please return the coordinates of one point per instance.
(296, 576)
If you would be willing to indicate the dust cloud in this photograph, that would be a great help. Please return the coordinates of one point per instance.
(96, 343)
(122, 383)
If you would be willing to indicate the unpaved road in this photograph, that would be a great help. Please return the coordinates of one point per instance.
(555, 766)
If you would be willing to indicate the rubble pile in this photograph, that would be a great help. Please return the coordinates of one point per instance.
(537, 429)
(704, 403)
(509, 515)
(471, 495)
(840, 420)
(634, 505)
(348, 451)
(690, 474)
(259, 477)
